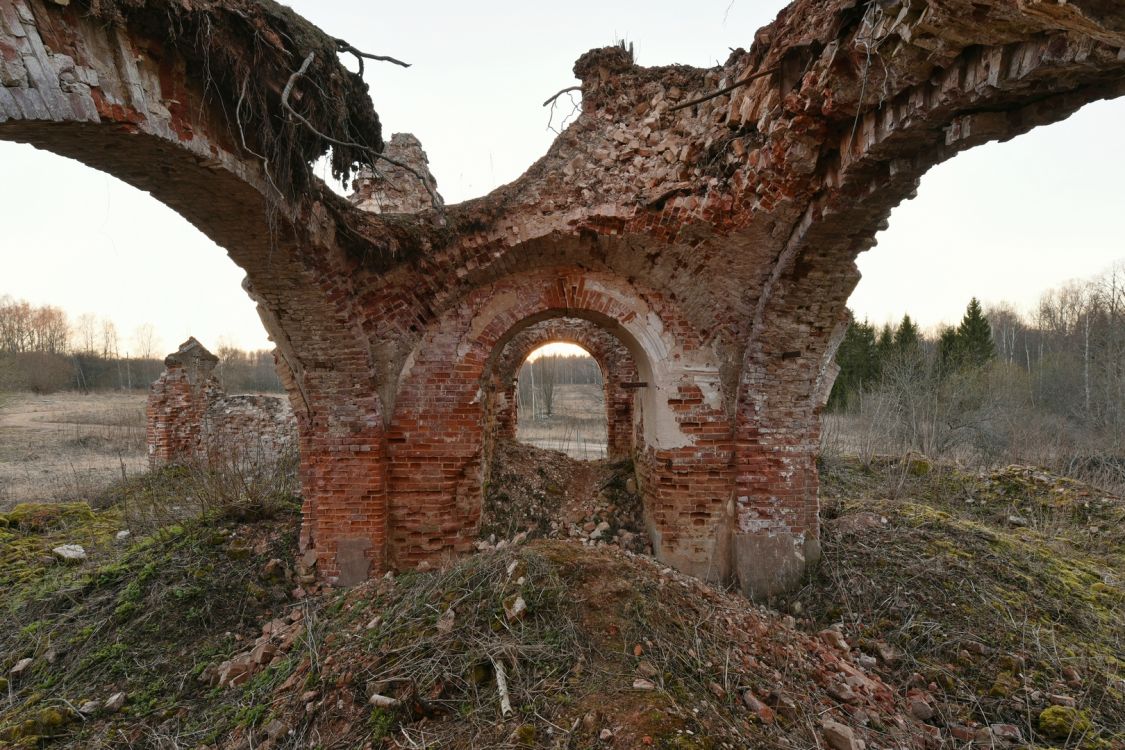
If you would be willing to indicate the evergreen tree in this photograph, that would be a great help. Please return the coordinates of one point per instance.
(885, 346)
(858, 362)
(907, 337)
(975, 336)
(949, 349)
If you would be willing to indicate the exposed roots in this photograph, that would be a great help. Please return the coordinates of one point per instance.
(248, 50)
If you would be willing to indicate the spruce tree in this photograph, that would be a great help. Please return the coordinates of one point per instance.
(885, 346)
(975, 336)
(949, 350)
(857, 360)
(907, 336)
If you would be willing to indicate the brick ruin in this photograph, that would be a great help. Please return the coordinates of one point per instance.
(619, 376)
(707, 219)
(191, 419)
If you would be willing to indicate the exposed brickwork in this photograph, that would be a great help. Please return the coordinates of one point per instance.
(715, 241)
(177, 402)
(190, 418)
(612, 356)
(437, 437)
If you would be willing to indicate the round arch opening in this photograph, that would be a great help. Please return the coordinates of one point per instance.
(561, 401)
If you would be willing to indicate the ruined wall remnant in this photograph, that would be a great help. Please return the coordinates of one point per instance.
(177, 402)
(709, 220)
(191, 419)
(394, 187)
(619, 376)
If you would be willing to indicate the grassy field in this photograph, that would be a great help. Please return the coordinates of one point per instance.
(952, 609)
(67, 446)
(577, 427)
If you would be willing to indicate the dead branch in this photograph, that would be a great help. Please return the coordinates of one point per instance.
(502, 688)
(435, 201)
(725, 89)
(342, 45)
(560, 93)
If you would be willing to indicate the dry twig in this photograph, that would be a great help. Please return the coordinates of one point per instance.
(560, 93)
(343, 46)
(724, 90)
(300, 72)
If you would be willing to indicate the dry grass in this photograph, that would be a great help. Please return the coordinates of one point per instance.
(992, 585)
(577, 427)
(68, 446)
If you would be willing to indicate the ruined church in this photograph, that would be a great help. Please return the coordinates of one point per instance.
(695, 229)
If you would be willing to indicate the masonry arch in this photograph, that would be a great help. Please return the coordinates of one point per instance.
(714, 226)
(619, 377)
(122, 95)
(438, 436)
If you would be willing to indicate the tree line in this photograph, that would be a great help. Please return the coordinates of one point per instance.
(43, 351)
(538, 379)
(1047, 387)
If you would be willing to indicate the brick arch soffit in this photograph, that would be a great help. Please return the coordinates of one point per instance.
(544, 295)
(989, 92)
(659, 340)
(150, 124)
(509, 361)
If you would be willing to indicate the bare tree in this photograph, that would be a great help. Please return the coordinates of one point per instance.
(145, 341)
(109, 338)
(546, 378)
(86, 333)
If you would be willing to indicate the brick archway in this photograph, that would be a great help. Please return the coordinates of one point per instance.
(117, 94)
(437, 435)
(613, 358)
(732, 219)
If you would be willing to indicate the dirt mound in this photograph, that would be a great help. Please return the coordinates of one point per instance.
(933, 622)
(551, 644)
(535, 493)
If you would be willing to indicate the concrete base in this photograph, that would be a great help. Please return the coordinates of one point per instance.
(771, 563)
(352, 559)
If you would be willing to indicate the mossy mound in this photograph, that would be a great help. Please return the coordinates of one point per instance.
(141, 616)
(992, 612)
(1063, 722)
(30, 531)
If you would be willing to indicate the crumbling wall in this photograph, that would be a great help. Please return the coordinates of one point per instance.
(619, 377)
(708, 218)
(191, 419)
(254, 428)
(177, 403)
(393, 186)
(437, 441)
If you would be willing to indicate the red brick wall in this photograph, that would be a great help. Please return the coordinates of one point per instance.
(714, 235)
(612, 356)
(437, 437)
(190, 419)
(177, 402)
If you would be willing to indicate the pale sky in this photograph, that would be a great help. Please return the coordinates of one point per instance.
(558, 349)
(1003, 222)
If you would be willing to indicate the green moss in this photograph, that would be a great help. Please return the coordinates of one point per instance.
(39, 517)
(1061, 722)
(50, 721)
(919, 467)
(381, 722)
(250, 716)
(526, 735)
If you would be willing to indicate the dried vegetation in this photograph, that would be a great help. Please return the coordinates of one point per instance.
(1003, 591)
(981, 601)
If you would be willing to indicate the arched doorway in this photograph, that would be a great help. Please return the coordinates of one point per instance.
(560, 402)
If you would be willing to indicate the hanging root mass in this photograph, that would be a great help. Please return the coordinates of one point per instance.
(248, 51)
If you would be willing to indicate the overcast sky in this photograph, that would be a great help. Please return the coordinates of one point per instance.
(1002, 222)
